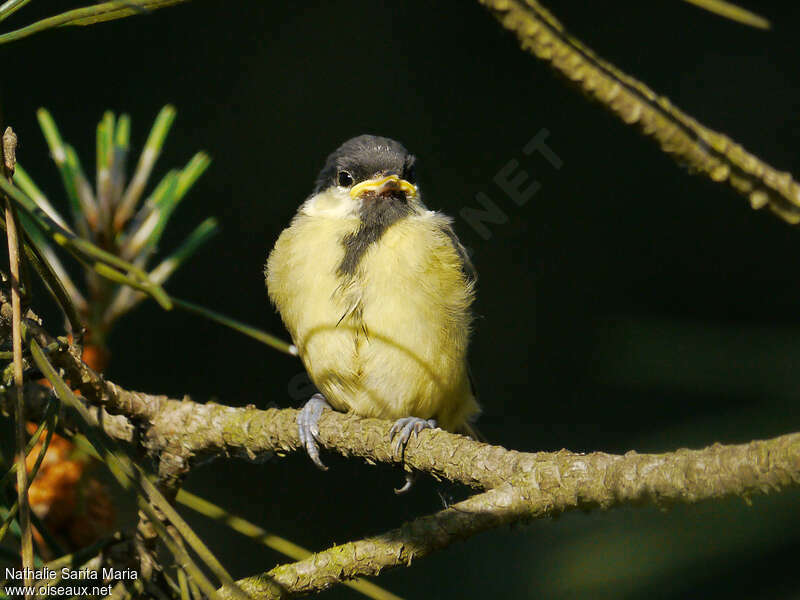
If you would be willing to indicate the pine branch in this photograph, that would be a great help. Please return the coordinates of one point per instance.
(686, 140)
(178, 433)
(547, 484)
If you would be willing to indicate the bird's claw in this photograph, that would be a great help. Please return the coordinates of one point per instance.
(308, 427)
(403, 428)
(410, 478)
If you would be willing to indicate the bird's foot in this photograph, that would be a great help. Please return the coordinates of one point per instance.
(308, 427)
(403, 428)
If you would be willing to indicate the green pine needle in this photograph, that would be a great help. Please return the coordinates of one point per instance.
(150, 153)
(10, 7)
(26, 184)
(277, 543)
(130, 475)
(88, 15)
(103, 262)
(256, 334)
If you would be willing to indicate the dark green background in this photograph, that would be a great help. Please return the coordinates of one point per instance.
(628, 305)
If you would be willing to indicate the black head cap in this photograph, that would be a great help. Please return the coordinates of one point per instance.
(364, 157)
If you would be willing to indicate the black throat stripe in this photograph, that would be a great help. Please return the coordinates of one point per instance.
(378, 213)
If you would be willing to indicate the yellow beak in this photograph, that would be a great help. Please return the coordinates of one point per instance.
(380, 184)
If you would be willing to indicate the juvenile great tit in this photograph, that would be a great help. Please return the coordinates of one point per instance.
(375, 290)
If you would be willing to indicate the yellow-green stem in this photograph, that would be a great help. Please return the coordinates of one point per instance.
(26, 540)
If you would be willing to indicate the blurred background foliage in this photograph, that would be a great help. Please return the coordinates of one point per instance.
(625, 306)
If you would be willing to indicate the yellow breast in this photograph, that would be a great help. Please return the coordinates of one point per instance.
(389, 341)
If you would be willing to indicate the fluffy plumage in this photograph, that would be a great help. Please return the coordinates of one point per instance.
(375, 291)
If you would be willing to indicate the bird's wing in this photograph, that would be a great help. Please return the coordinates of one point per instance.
(470, 274)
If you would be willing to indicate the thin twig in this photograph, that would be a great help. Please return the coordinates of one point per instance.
(26, 542)
(688, 141)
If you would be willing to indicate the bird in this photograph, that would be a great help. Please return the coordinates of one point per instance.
(376, 292)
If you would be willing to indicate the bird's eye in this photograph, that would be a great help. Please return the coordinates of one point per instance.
(344, 179)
